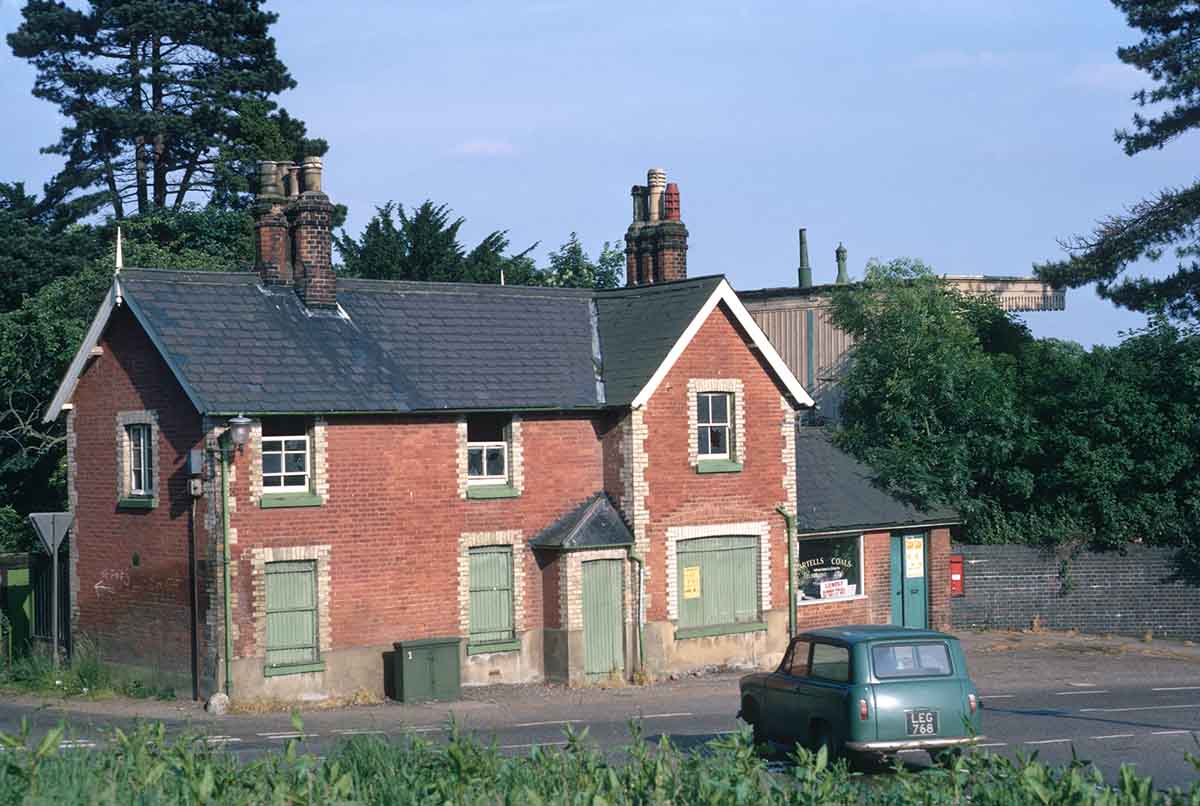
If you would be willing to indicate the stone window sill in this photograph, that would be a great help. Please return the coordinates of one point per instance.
(484, 492)
(724, 629)
(136, 502)
(300, 668)
(274, 500)
(495, 646)
(718, 466)
(838, 600)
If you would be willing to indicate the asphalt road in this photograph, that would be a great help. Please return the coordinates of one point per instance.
(1114, 701)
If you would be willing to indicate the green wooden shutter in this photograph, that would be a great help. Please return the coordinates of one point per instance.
(491, 579)
(292, 613)
(728, 581)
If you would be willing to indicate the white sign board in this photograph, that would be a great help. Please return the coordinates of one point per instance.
(914, 557)
(834, 588)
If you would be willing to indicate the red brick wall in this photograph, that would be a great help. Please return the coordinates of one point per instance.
(393, 518)
(939, 578)
(139, 614)
(678, 495)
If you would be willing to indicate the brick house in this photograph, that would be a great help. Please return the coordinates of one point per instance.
(277, 474)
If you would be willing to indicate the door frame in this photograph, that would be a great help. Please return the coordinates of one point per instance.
(621, 615)
(897, 577)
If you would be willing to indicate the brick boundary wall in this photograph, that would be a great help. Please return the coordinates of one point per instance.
(1006, 586)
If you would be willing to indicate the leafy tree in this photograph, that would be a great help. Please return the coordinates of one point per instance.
(1169, 221)
(423, 245)
(163, 98)
(924, 402)
(35, 248)
(570, 266)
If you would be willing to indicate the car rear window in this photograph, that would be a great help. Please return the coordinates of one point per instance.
(925, 659)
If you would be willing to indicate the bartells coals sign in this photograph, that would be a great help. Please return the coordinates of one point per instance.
(828, 569)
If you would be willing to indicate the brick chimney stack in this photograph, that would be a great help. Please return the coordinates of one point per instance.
(311, 219)
(272, 258)
(656, 241)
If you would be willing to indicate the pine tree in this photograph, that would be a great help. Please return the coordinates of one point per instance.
(1169, 222)
(163, 98)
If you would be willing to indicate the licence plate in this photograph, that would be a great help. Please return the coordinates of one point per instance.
(921, 722)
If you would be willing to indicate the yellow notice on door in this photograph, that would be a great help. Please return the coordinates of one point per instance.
(914, 557)
(691, 582)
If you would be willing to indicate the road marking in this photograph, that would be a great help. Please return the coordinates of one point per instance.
(221, 739)
(540, 724)
(358, 731)
(1140, 708)
(993, 744)
(1049, 741)
(1167, 732)
(531, 744)
(68, 744)
(424, 729)
(665, 716)
(1176, 688)
(286, 735)
(1081, 685)
(1114, 736)
(996, 696)
(1090, 691)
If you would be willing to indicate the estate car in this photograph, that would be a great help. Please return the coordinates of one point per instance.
(866, 689)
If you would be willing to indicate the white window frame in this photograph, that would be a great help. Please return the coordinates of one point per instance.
(283, 453)
(860, 591)
(140, 454)
(711, 424)
(502, 478)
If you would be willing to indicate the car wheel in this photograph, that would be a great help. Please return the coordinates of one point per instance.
(822, 736)
(751, 717)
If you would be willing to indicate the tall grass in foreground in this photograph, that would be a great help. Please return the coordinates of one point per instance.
(144, 767)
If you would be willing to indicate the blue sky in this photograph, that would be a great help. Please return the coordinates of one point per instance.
(969, 133)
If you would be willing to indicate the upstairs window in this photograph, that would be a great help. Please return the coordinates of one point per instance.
(285, 455)
(141, 459)
(488, 437)
(712, 425)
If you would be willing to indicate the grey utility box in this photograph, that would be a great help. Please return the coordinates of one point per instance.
(427, 669)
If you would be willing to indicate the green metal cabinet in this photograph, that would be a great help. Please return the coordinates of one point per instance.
(427, 669)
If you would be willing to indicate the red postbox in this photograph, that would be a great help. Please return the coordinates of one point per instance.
(956, 575)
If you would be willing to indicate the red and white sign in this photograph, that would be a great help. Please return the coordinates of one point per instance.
(833, 589)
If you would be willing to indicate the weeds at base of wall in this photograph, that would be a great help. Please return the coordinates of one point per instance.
(85, 674)
(143, 766)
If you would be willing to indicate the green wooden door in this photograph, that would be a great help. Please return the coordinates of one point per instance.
(291, 613)
(910, 593)
(718, 581)
(603, 620)
(491, 578)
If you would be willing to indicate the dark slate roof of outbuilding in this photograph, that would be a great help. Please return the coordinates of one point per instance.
(639, 326)
(407, 346)
(593, 523)
(836, 492)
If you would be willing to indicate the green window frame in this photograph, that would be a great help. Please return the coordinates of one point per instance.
(718, 583)
(491, 592)
(292, 633)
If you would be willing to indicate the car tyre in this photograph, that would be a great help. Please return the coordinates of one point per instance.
(751, 717)
(822, 736)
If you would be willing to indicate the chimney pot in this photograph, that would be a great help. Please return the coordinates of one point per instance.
(268, 178)
(671, 202)
(656, 182)
(311, 171)
(293, 180)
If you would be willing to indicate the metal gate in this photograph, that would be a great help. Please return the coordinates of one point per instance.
(603, 622)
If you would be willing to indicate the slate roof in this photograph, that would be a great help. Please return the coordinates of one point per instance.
(638, 327)
(408, 346)
(836, 492)
(593, 523)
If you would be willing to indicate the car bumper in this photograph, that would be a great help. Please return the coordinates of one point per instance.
(913, 744)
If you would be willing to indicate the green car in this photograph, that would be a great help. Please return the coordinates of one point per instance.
(867, 689)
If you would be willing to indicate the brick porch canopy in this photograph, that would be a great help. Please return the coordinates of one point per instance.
(238, 346)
